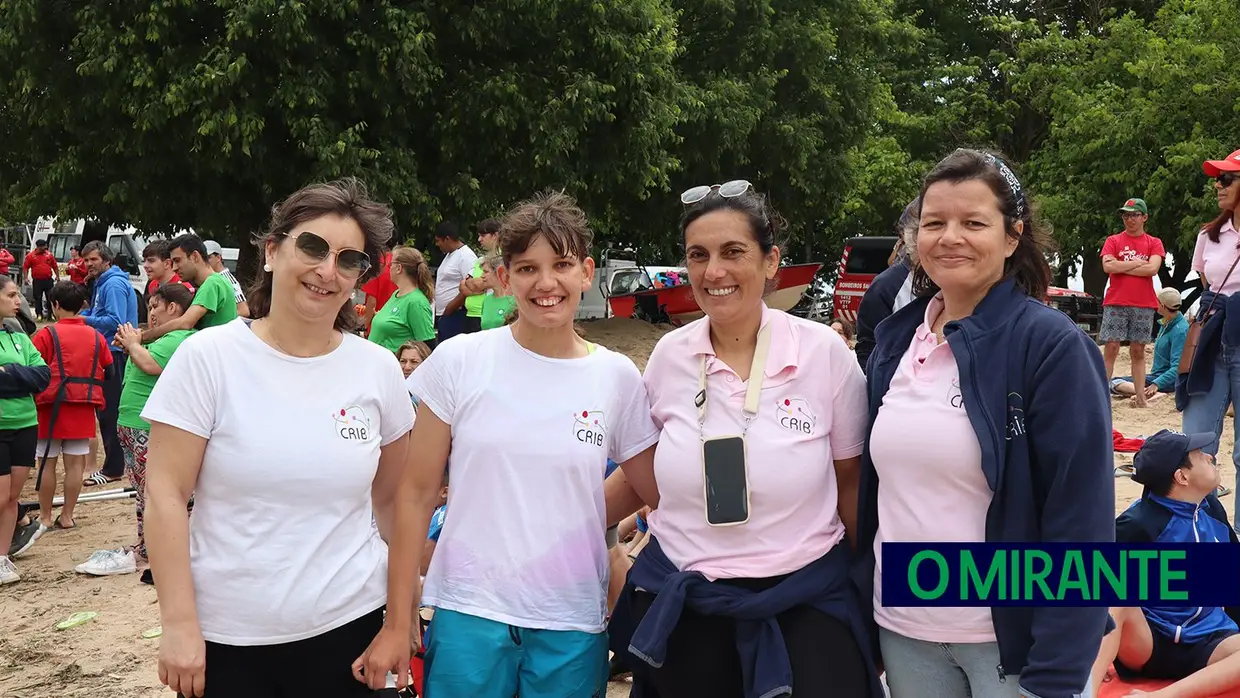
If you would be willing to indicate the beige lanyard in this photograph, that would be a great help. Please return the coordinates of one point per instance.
(753, 393)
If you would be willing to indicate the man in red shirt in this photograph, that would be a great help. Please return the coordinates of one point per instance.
(40, 266)
(378, 290)
(76, 266)
(6, 258)
(1131, 258)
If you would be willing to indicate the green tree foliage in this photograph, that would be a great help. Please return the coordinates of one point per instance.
(179, 113)
(1134, 110)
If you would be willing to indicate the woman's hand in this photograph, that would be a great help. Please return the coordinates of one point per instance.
(389, 651)
(127, 335)
(183, 660)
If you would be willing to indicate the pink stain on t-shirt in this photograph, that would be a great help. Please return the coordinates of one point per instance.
(931, 486)
(1214, 259)
(812, 412)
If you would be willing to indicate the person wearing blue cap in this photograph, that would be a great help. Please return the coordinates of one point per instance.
(1198, 648)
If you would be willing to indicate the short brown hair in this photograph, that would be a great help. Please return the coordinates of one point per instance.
(1027, 265)
(174, 293)
(346, 198)
(553, 215)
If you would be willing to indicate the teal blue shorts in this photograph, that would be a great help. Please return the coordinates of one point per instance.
(468, 656)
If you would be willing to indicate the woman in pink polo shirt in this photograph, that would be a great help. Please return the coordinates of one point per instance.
(753, 483)
(991, 423)
(1214, 380)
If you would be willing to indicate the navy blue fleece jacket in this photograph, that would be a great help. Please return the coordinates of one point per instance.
(1034, 389)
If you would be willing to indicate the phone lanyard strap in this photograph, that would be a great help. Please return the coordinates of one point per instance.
(753, 394)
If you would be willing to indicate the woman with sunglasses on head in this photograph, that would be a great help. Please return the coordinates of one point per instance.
(990, 423)
(1212, 382)
(407, 315)
(753, 483)
(291, 434)
(525, 416)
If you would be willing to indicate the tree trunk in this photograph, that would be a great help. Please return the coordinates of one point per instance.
(1092, 275)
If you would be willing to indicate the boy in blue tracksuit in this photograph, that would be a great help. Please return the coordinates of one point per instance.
(1197, 647)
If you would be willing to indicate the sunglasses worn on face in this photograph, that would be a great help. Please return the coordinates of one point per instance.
(313, 250)
(1227, 178)
(727, 190)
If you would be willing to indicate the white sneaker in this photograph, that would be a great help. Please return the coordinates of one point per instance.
(8, 573)
(108, 562)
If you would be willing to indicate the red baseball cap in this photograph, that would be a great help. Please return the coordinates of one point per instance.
(1215, 167)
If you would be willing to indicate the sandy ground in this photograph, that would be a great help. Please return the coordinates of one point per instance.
(107, 656)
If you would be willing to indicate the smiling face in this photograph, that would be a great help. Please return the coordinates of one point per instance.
(547, 286)
(727, 269)
(161, 312)
(313, 290)
(962, 243)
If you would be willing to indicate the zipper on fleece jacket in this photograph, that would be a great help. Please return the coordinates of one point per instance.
(1196, 539)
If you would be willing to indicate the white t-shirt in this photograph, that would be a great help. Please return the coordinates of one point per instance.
(531, 436)
(238, 293)
(455, 267)
(282, 545)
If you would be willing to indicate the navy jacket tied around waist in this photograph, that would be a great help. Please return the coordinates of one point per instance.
(1216, 332)
(1034, 389)
(823, 584)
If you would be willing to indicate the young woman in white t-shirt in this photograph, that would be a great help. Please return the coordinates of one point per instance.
(291, 433)
(525, 416)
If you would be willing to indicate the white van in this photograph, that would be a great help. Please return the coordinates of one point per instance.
(126, 244)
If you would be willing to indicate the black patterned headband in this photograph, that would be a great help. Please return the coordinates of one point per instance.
(1018, 192)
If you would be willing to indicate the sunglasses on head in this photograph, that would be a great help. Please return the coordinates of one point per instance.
(1227, 178)
(313, 249)
(727, 190)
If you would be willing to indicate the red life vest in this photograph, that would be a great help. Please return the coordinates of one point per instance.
(77, 371)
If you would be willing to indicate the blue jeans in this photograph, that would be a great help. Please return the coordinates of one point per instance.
(1205, 413)
(920, 669)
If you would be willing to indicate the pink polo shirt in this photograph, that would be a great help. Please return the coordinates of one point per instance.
(930, 482)
(812, 412)
(1215, 258)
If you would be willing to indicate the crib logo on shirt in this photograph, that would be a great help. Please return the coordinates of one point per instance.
(795, 415)
(954, 397)
(589, 427)
(352, 424)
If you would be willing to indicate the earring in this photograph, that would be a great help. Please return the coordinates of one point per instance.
(267, 268)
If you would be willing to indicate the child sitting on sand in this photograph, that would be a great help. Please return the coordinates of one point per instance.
(1198, 648)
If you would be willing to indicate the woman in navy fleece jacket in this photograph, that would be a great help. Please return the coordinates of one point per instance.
(989, 421)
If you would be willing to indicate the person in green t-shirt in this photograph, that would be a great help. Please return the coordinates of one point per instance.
(214, 302)
(498, 304)
(407, 315)
(142, 370)
(474, 288)
(23, 374)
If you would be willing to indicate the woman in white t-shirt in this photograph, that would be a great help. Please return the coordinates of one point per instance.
(291, 433)
(529, 413)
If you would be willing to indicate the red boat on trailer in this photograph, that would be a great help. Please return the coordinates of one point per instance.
(677, 305)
